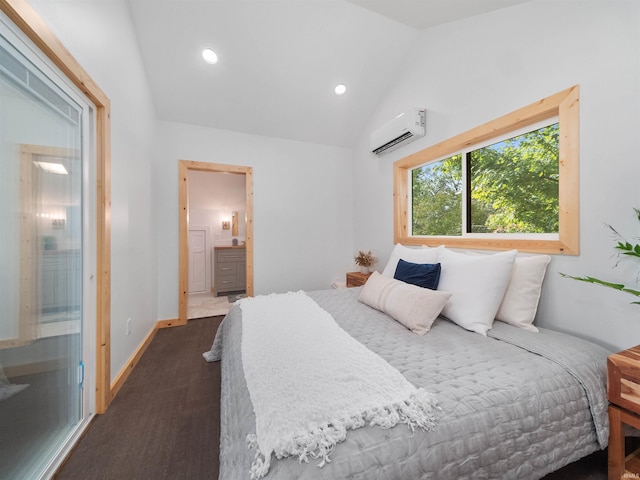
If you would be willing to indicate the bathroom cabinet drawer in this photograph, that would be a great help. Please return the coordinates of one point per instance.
(226, 269)
(229, 270)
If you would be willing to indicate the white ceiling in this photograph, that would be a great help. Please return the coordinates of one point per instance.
(279, 60)
(422, 14)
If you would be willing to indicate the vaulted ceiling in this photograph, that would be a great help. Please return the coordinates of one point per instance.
(279, 60)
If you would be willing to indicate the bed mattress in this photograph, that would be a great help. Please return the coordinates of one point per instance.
(514, 404)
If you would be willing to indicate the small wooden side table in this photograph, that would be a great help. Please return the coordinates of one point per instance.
(623, 391)
(357, 279)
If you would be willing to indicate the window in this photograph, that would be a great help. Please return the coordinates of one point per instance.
(509, 186)
(511, 183)
(48, 258)
(436, 193)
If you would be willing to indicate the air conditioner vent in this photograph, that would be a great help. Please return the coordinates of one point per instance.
(403, 129)
(392, 143)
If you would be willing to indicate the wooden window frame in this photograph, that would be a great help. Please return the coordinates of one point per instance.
(566, 106)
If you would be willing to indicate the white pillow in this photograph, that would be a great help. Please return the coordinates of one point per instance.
(520, 302)
(477, 284)
(413, 255)
(414, 307)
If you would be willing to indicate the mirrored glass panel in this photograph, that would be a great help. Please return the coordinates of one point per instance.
(41, 298)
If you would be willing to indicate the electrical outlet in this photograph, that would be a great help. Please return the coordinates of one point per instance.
(129, 326)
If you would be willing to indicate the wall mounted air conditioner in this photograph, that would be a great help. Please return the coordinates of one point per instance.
(403, 129)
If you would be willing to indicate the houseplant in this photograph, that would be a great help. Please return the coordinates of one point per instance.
(624, 248)
(364, 260)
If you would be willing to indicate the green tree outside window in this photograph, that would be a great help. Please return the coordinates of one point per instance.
(512, 186)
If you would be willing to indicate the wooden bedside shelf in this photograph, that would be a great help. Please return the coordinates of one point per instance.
(623, 392)
(357, 279)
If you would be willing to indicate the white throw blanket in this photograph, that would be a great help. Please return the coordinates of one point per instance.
(310, 382)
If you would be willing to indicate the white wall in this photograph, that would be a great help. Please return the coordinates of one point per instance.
(472, 71)
(303, 228)
(303, 233)
(316, 205)
(100, 36)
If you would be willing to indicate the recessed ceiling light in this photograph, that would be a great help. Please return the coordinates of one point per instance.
(340, 89)
(209, 56)
(49, 167)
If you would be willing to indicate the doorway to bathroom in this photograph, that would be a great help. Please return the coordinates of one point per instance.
(216, 237)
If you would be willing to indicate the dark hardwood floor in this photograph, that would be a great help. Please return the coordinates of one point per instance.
(165, 422)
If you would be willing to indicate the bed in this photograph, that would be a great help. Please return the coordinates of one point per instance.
(512, 403)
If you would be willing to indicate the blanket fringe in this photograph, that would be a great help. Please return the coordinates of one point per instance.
(420, 410)
(261, 464)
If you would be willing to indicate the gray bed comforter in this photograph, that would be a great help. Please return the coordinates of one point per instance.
(515, 405)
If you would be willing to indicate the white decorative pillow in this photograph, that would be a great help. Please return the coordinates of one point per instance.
(477, 285)
(414, 307)
(520, 302)
(413, 255)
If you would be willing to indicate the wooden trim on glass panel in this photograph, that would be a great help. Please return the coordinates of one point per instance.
(29, 280)
(29, 285)
(34, 27)
(566, 106)
(183, 227)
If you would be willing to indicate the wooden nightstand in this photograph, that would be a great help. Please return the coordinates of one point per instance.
(357, 279)
(623, 391)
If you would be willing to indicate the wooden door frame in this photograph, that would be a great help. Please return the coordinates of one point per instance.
(184, 166)
(33, 26)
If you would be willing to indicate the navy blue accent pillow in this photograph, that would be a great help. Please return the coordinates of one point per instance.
(426, 275)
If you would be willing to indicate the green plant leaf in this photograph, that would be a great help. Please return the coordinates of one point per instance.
(616, 286)
(625, 248)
